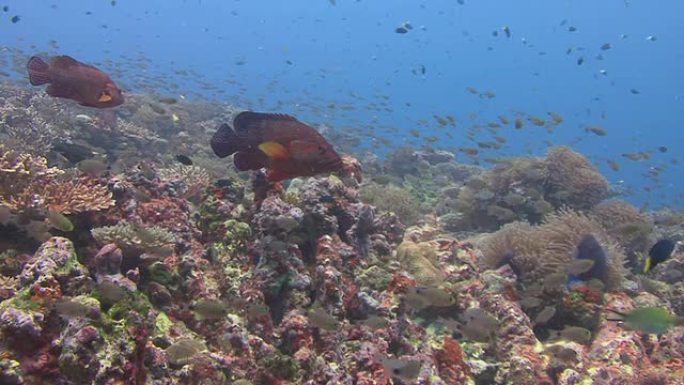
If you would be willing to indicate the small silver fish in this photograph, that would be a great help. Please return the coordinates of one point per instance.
(579, 266)
(573, 333)
(433, 295)
(71, 309)
(375, 322)
(111, 292)
(320, 318)
(93, 167)
(59, 221)
(183, 350)
(529, 302)
(555, 281)
(562, 353)
(403, 369)
(5, 215)
(210, 309)
(545, 315)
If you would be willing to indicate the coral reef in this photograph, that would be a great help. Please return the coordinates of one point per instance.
(393, 199)
(522, 189)
(181, 274)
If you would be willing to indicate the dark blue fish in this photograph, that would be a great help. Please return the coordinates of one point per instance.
(660, 252)
(184, 159)
(508, 259)
(589, 248)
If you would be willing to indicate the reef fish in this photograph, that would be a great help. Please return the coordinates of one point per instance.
(403, 369)
(649, 319)
(572, 333)
(286, 147)
(589, 248)
(68, 78)
(660, 252)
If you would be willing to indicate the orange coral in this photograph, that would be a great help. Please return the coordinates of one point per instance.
(400, 283)
(72, 197)
(450, 362)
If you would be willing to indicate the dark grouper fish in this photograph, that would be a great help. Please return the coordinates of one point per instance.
(71, 79)
(286, 147)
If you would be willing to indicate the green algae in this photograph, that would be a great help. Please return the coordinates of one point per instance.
(375, 277)
(236, 231)
(22, 300)
(282, 366)
(162, 325)
(420, 260)
(136, 303)
(160, 272)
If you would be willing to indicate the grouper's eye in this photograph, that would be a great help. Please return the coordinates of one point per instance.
(105, 96)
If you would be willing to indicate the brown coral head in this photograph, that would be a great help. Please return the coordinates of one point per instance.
(352, 167)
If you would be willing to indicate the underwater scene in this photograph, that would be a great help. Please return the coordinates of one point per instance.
(341, 192)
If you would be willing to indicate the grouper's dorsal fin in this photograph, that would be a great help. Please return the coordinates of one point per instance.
(246, 120)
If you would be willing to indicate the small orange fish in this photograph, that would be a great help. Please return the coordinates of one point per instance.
(286, 147)
(68, 78)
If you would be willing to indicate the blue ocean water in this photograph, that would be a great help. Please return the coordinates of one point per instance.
(341, 63)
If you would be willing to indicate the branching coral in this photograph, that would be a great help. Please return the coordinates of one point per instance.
(24, 124)
(74, 196)
(129, 236)
(193, 178)
(27, 182)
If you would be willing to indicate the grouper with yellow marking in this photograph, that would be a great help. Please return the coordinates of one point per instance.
(284, 146)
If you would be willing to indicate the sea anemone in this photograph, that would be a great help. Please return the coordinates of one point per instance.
(572, 180)
(538, 251)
